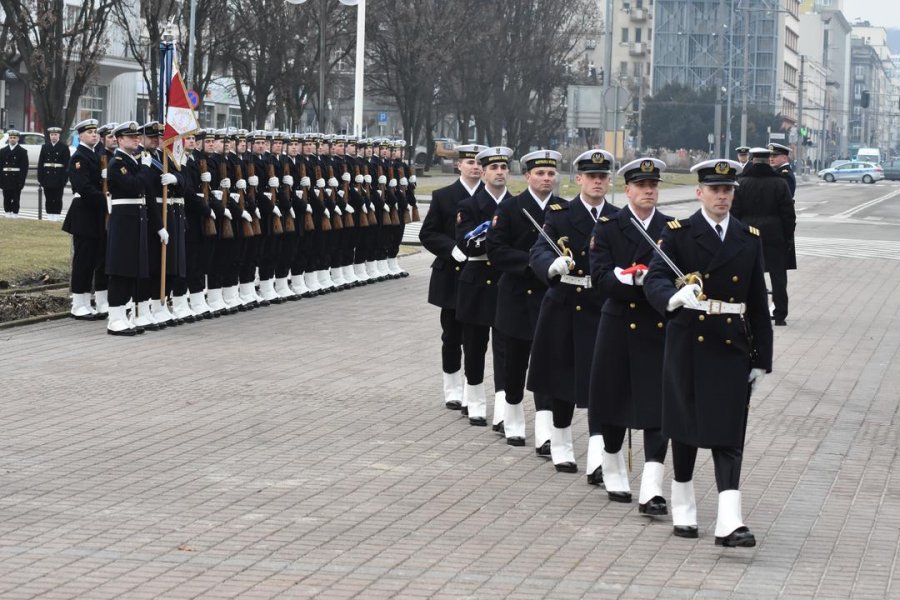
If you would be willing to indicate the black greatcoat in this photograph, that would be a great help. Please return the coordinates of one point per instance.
(567, 325)
(438, 236)
(509, 242)
(626, 377)
(52, 165)
(476, 294)
(87, 213)
(709, 356)
(764, 200)
(14, 171)
(127, 251)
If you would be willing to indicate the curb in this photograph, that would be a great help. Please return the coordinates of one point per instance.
(33, 320)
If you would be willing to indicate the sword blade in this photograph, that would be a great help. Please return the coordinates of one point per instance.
(542, 233)
(657, 249)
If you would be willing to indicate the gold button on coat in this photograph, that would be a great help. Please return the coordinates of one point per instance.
(489, 282)
(700, 338)
(728, 320)
(702, 317)
(578, 307)
(529, 292)
(660, 325)
(633, 326)
(632, 305)
(727, 342)
(735, 279)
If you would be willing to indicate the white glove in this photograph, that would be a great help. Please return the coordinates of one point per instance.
(320, 183)
(299, 194)
(350, 210)
(206, 177)
(293, 214)
(103, 174)
(276, 211)
(623, 279)
(387, 208)
(256, 212)
(327, 214)
(560, 267)
(234, 197)
(686, 296)
(340, 193)
(217, 194)
(367, 178)
(273, 182)
(212, 214)
(380, 193)
(372, 206)
(458, 255)
(288, 180)
(359, 179)
(412, 178)
(392, 183)
(639, 277)
(247, 216)
(146, 159)
(328, 191)
(225, 183)
(304, 182)
(240, 184)
(404, 182)
(346, 176)
(332, 182)
(309, 208)
(253, 181)
(168, 179)
(337, 211)
(163, 236)
(756, 375)
(227, 214)
(267, 195)
(382, 180)
(365, 209)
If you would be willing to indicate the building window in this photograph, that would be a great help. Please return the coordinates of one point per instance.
(624, 35)
(790, 75)
(855, 132)
(857, 110)
(235, 119)
(636, 70)
(790, 39)
(857, 91)
(206, 114)
(142, 110)
(649, 34)
(860, 72)
(788, 109)
(637, 34)
(92, 104)
(623, 69)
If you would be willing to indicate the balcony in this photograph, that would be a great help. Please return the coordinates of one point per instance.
(637, 48)
(639, 15)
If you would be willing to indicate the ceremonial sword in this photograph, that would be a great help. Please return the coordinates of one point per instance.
(546, 237)
(682, 278)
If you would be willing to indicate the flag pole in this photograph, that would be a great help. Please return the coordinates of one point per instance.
(165, 78)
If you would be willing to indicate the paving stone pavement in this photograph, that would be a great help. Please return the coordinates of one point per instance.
(303, 451)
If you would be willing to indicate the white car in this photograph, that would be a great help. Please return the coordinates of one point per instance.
(32, 143)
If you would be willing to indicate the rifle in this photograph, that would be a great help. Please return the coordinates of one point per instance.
(209, 223)
(415, 207)
(308, 224)
(400, 174)
(326, 222)
(289, 225)
(367, 188)
(251, 171)
(363, 217)
(277, 229)
(246, 228)
(348, 218)
(227, 231)
(104, 163)
(336, 222)
(395, 218)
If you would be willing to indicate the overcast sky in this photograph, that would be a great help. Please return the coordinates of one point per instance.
(881, 13)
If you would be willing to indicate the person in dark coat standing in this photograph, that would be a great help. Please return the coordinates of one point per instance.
(52, 176)
(718, 345)
(780, 160)
(519, 295)
(476, 292)
(570, 311)
(438, 236)
(13, 171)
(626, 380)
(764, 200)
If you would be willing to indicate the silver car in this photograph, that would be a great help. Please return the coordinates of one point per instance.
(853, 171)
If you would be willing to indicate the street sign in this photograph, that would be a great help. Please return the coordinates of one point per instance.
(193, 98)
(382, 117)
(776, 136)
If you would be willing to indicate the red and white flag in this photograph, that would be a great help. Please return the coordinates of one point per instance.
(180, 119)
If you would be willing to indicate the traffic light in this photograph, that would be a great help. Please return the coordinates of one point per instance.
(864, 99)
(600, 75)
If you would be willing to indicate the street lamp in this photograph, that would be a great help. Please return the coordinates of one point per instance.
(360, 44)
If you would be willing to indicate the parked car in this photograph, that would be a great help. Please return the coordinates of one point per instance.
(32, 143)
(853, 171)
(892, 169)
(444, 148)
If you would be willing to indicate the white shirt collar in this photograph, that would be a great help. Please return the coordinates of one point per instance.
(471, 190)
(123, 153)
(86, 146)
(644, 222)
(599, 207)
(713, 224)
(496, 199)
(541, 203)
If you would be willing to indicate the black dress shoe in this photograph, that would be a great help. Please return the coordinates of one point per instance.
(544, 450)
(124, 332)
(208, 315)
(515, 441)
(85, 317)
(739, 538)
(464, 411)
(151, 327)
(244, 307)
(596, 478)
(478, 421)
(780, 322)
(498, 427)
(654, 507)
(566, 467)
(404, 274)
(686, 531)
(623, 497)
(453, 404)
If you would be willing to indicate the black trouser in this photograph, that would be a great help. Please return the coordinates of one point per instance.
(88, 264)
(778, 277)
(11, 200)
(329, 249)
(271, 249)
(223, 259)
(121, 289)
(395, 239)
(250, 251)
(562, 411)
(475, 340)
(199, 256)
(285, 258)
(727, 461)
(54, 200)
(451, 341)
(655, 443)
(148, 289)
(516, 366)
(300, 262)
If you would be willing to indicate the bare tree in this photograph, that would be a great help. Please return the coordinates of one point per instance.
(60, 45)
(210, 42)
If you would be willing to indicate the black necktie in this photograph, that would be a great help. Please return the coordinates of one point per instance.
(594, 212)
(720, 232)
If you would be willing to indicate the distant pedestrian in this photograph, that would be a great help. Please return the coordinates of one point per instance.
(52, 176)
(14, 165)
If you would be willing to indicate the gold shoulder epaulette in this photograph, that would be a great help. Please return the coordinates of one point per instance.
(674, 224)
(753, 230)
(556, 207)
(118, 157)
(603, 219)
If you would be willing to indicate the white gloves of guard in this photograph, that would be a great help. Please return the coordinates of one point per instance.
(367, 178)
(103, 173)
(412, 178)
(257, 213)
(253, 181)
(146, 160)
(206, 177)
(217, 194)
(227, 214)
(247, 216)
(382, 180)
(332, 182)
(337, 211)
(346, 177)
(168, 179)
(241, 184)
(327, 214)
(273, 182)
(293, 214)
(392, 183)
(304, 182)
(560, 267)
(387, 208)
(320, 183)
(623, 279)
(756, 376)
(340, 193)
(163, 236)
(365, 209)
(686, 296)
(458, 255)
(350, 210)
(225, 183)
(288, 180)
(309, 208)
(359, 179)
(404, 181)
(276, 211)
(639, 277)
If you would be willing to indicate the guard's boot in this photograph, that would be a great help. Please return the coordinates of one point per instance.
(453, 390)
(337, 276)
(684, 509)
(359, 269)
(143, 317)
(118, 323)
(562, 451)
(543, 429)
(615, 477)
(216, 304)
(595, 460)
(267, 291)
(312, 282)
(247, 295)
(81, 308)
(231, 298)
(161, 314)
(730, 529)
(477, 404)
(499, 410)
(199, 306)
(514, 423)
(650, 498)
(101, 302)
(298, 285)
(349, 275)
(181, 310)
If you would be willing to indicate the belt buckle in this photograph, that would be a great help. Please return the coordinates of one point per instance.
(715, 307)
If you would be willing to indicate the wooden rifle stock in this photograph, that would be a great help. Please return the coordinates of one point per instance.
(277, 229)
(246, 228)
(363, 218)
(289, 225)
(227, 231)
(336, 222)
(308, 224)
(326, 222)
(367, 189)
(104, 163)
(251, 172)
(412, 188)
(345, 187)
(395, 218)
(209, 223)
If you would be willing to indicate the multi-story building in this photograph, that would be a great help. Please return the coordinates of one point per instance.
(872, 89)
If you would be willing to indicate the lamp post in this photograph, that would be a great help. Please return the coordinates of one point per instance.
(360, 44)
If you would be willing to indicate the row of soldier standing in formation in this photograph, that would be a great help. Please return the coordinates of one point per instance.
(296, 214)
(52, 176)
(590, 316)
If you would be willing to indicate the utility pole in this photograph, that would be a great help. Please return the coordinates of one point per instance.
(730, 78)
(746, 84)
(800, 107)
(607, 77)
